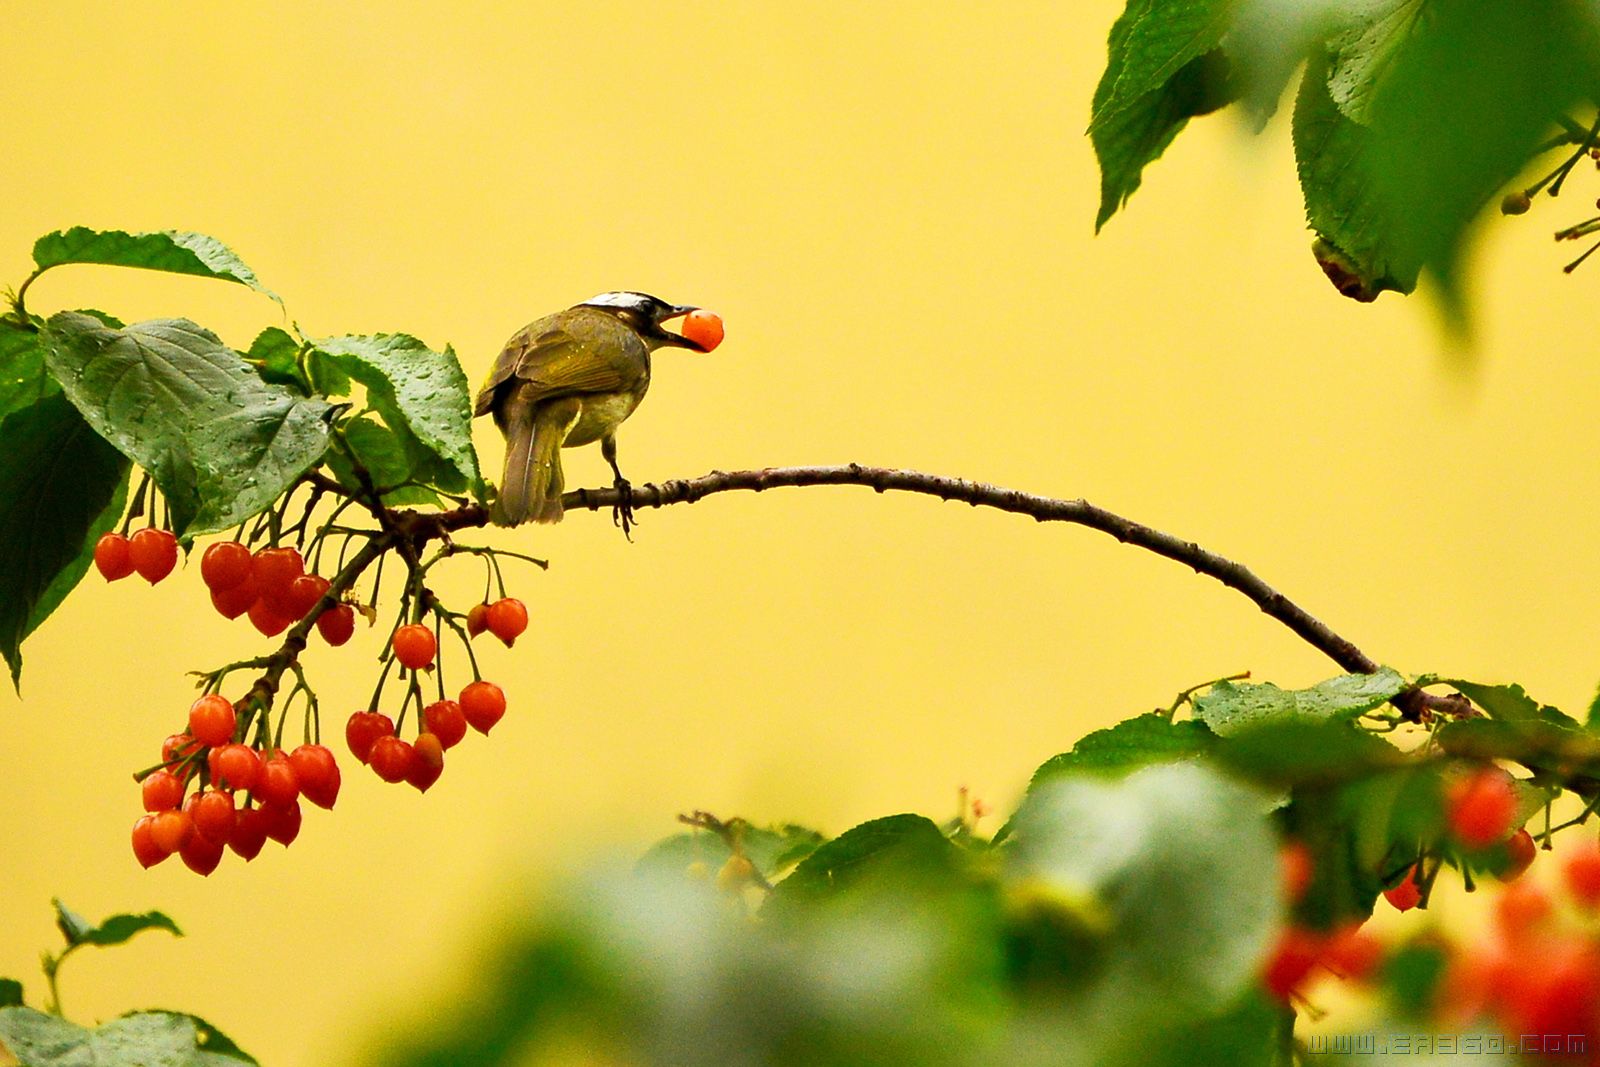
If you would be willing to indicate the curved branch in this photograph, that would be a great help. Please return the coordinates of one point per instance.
(1415, 703)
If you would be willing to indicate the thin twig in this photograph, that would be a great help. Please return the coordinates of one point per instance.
(1416, 704)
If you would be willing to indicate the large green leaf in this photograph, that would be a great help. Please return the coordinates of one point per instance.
(1150, 42)
(1128, 139)
(174, 251)
(1161, 873)
(1464, 104)
(220, 443)
(113, 930)
(1504, 701)
(1359, 246)
(420, 393)
(23, 377)
(1129, 745)
(1297, 749)
(58, 483)
(383, 454)
(1229, 707)
(896, 846)
(139, 1039)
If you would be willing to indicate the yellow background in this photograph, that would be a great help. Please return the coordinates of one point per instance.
(891, 206)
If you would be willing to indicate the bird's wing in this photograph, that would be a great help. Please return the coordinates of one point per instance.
(557, 363)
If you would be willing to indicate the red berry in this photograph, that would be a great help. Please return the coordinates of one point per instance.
(154, 553)
(1557, 994)
(477, 619)
(1406, 895)
(1481, 806)
(282, 823)
(508, 617)
(1520, 909)
(483, 703)
(249, 833)
(225, 565)
(444, 720)
(318, 774)
(1351, 952)
(176, 747)
(1291, 961)
(1294, 869)
(414, 646)
(1520, 851)
(212, 720)
(171, 829)
(275, 570)
(235, 767)
(233, 602)
(162, 790)
(391, 758)
(111, 557)
(427, 762)
(145, 849)
(337, 624)
(214, 816)
(363, 730)
(267, 619)
(201, 854)
(305, 591)
(1582, 875)
(703, 327)
(279, 785)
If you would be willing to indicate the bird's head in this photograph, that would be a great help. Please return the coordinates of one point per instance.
(645, 314)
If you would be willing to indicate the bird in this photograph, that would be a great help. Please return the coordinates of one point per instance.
(570, 379)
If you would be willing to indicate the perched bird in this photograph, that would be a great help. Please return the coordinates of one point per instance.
(567, 380)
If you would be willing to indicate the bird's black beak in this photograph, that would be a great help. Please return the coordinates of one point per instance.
(668, 337)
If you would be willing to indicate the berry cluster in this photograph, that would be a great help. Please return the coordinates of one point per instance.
(152, 552)
(225, 781)
(1480, 811)
(373, 738)
(200, 825)
(273, 588)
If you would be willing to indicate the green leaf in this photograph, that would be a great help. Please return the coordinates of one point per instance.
(58, 482)
(1151, 41)
(1461, 111)
(23, 377)
(1510, 702)
(1562, 750)
(1592, 719)
(387, 460)
(1293, 750)
(1363, 49)
(111, 931)
(174, 251)
(1412, 976)
(73, 926)
(139, 1039)
(1129, 745)
(1257, 1032)
(276, 356)
(220, 443)
(1126, 141)
(419, 393)
(10, 993)
(1230, 707)
(894, 846)
(1359, 247)
(67, 579)
(1161, 874)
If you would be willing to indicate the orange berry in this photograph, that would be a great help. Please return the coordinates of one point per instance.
(704, 328)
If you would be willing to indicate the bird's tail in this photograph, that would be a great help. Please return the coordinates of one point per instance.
(532, 485)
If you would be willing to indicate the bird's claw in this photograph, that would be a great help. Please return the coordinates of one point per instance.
(622, 512)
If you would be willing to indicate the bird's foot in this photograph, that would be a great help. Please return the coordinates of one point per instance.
(622, 512)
